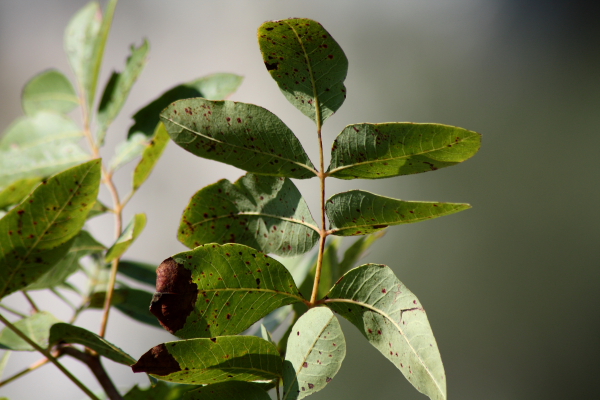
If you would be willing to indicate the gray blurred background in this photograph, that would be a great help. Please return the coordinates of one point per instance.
(511, 287)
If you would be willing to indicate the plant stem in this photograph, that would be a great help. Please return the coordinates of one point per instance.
(49, 356)
(12, 311)
(31, 302)
(63, 298)
(27, 370)
(323, 233)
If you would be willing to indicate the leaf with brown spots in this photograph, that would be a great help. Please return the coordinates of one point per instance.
(375, 151)
(38, 233)
(357, 212)
(218, 290)
(263, 212)
(315, 351)
(307, 64)
(243, 135)
(394, 322)
(208, 361)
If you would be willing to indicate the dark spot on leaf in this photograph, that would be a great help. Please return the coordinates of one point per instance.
(310, 386)
(305, 364)
(213, 339)
(328, 380)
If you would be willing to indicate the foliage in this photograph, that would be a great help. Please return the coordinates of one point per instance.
(226, 287)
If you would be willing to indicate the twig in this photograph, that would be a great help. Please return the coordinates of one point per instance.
(63, 298)
(13, 311)
(31, 303)
(27, 370)
(49, 356)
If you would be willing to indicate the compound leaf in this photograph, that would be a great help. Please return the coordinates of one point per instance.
(150, 156)
(263, 212)
(38, 233)
(243, 135)
(219, 289)
(374, 151)
(315, 351)
(307, 64)
(130, 233)
(231, 390)
(39, 146)
(66, 333)
(394, 322)
(214, 360)
(36, 327)
(50, 91)
(358, 212)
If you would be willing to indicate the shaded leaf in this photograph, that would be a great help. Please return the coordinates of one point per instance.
(243, 135)
(141, 272)
(307, 64)
(83, 245)
(374, 151)
(266, 335)
(39, 146)
(232, 390)
(394, 322)
(358, 212)
(329, 271)
(36, 327)
(66, 333)
(50, 91)
(315, 351)
(162, 391)
(97, 209)
(272, 321)
(150, 156)
(15, 192)
(120, 84)
(215, 290)
(130, 301)
(130, 233)
(263, 212)
(214, 360)
(357, 250)
(212, 87)
(37, 233)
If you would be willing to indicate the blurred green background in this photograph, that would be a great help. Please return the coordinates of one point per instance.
(511, 287)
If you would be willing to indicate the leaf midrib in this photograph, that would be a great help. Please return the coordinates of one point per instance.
(380, 160)
(252, 289)
(258, 214)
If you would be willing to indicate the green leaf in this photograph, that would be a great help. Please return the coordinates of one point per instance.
(130, 233)
(128, 150)
(15, 192)
(152, 153)
(243, 135)
(231, 390)
(141, 272)
(83, 245)
(49, 91)
(374, 151)
(37, 234)
(130, 301)
(120, 84)
(214, 360)
(263, 212)
(357, 251)
(39, 146)
(36, 327)
(212, 87)
(315, 351)
(266, 335)
(97, 209)
(394, 322)
(162, 391)
(82, 47)
(215, 290)
(358, 212)
(4, 362)
(307, 64)
(66, 333)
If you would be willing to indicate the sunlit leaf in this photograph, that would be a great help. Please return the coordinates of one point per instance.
(38, 233)
(315, 351)
(83, 245)
(358, 212)
(36, 327)
(374, 151)
(39, 146)
(263, 212)
(307, 64)
(141, 272)
(15, 192)
(394, 322)
(231, 390)
(219, 289)
(212, 87)
(66, 333)
(130, 233)
(243, 135)
(120, 84)
(150, 156)
(214, 360)
(49, 91)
